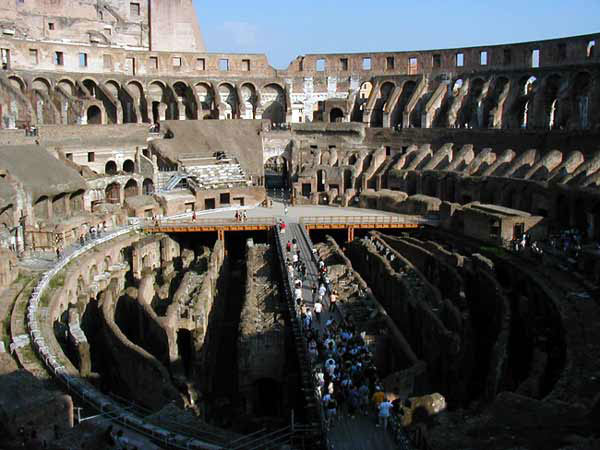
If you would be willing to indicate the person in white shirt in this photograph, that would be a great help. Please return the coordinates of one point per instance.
(318, 308)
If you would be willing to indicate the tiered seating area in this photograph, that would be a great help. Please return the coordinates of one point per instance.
(226, 173)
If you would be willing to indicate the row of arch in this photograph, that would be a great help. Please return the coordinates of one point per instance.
(557, 101)
(130, 189)
(135, 101)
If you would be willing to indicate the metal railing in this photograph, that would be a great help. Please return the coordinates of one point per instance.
(267, 221)
(365, 220)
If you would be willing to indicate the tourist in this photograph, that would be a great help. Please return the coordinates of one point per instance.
(332, 301)
(378, 397)
(384, 413)
(244, 216)
(318, 308)
(194, 216)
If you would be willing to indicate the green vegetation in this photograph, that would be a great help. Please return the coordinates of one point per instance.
(57, 281)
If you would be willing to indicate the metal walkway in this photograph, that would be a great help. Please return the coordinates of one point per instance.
(346, 433)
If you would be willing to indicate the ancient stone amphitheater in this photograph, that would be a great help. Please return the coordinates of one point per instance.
(146, 294)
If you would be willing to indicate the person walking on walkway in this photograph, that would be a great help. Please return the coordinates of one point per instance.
(318, 307)
(384, 413)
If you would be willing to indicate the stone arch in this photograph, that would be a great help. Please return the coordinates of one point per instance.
(113, 193)
(470, 113)
(206, 97)
(184, 95)
(383, 95)
(148, 187)
(159, 96)
(128, 166)
(229, 98)
(107, 263)
(273, 103)
(17, 83)
(491, 117)
(94, 115)
(362, 97)
(136, 90)
(131, 188)
(110, 168)
(554, 116)
(397, 115)
(249, 99)
(276, 172)
(92, 273)
(68, 86)
(336, 115)
(41, 84)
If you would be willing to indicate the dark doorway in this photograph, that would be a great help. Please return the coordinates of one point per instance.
(94, 115)
(209, 203)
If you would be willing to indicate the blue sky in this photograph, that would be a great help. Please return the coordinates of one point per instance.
(285, 29)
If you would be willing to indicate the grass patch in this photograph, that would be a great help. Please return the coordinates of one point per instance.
(57, 281)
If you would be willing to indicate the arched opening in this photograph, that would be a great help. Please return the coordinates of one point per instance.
(268, 398)
(229, 98)
(397, 118)
(148, 186)
(352, 160)
(361, 100)
(552, 105)
(336, 115)
(581, 87)
(276, 173)
(113, 193)
(93, 273)
(94, 115)
(273, 100)
(131, 188)
(110, 168)
(128, 166)
(249, 100)
(182, 91)
(321, 179)
(384, 94)
(347, 179)
(491, 115)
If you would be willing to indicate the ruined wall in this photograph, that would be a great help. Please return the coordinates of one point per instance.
(418, 319)
(261, 338)
(133, 368)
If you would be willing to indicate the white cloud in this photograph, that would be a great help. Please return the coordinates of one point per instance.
(242, 34)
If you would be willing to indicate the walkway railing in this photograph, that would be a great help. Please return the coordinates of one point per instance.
(270, 221)
(367, 220)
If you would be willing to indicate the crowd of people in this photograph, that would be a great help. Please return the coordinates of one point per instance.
(346, 378)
